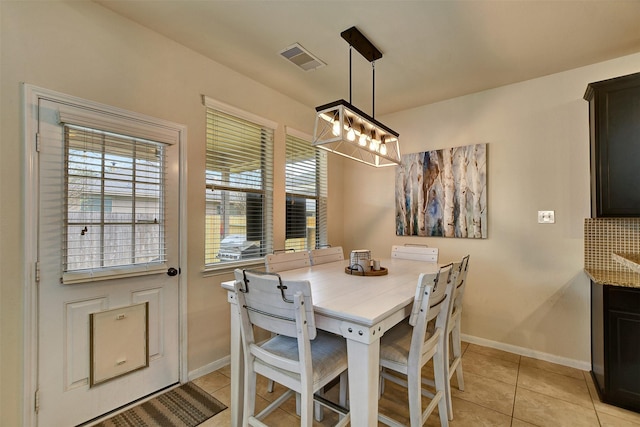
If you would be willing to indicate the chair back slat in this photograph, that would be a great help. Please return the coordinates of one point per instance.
(460, 270)
(283, 261)
(437, 284)
(265, 305)
(433, 297)
(417, 253)
(442, 297)
(325, 255)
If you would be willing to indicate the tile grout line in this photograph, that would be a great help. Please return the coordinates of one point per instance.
(515, 393)
(584, 377)
(559, 398)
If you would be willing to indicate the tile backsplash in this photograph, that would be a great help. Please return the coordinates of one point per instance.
(603, 236)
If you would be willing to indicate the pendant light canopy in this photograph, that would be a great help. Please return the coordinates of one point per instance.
(343, 129)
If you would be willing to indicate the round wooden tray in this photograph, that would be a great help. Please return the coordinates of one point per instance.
(383, 271)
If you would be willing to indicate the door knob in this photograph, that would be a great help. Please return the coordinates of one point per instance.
(172, 271)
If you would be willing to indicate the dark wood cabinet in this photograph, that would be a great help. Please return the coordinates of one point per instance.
(614, 119)
(615, 344)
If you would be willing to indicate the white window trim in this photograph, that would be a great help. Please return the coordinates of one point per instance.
(298, 134)
(119, 124)
(237, 112)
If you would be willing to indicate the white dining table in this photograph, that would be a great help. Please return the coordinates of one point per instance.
(361, 309)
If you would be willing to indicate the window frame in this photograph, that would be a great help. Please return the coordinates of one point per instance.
(320, 192)
(85, 114)
(267, 205)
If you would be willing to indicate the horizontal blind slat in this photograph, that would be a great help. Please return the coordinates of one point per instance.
(239, 182)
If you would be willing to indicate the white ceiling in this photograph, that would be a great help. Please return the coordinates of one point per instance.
(432, 50)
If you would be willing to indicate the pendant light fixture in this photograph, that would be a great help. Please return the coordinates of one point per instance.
(345, 130)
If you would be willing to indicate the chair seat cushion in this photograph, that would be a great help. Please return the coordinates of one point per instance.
(328, 353)
(396, 342)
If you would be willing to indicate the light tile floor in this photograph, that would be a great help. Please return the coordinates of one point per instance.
(501, 389)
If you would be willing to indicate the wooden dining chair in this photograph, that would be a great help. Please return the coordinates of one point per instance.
(453, 340)
(298, 356)
(282, 261)
(324, 255)
(409, 345)
(415, 252)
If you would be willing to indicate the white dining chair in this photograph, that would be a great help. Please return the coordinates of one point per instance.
(298, 356)
(415, 252)
(409, 345)
(282, 261)
(325, 255)
(453, 340)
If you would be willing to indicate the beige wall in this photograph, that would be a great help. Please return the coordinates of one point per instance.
(526, 288)
(82, 49)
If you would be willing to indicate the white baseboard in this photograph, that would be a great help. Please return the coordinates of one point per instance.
(522, 351)
(209, 367)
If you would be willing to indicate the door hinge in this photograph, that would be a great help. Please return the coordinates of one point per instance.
(38, 142)
(37, 271)
(36, 404)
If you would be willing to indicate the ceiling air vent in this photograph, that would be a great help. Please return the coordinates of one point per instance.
(301, 57)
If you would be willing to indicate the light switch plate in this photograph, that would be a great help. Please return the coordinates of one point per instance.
(546, 217)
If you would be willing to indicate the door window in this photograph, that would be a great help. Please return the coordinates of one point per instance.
(113, 214)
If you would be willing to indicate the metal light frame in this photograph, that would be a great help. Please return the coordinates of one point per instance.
(343, 129)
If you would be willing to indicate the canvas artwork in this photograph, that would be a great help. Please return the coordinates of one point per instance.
(443, 193)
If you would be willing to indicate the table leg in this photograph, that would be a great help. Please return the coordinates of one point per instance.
(363, 382)
(237, 367)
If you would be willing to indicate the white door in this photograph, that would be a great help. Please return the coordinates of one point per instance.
(107, 239)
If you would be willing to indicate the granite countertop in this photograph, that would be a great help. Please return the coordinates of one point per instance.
(629, 279)
(631, 261)
(627, 276)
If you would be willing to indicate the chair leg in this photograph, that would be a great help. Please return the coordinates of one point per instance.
(453, 365)
(447, 399)
(318, 410)
(344, 389)
(414, 389)
(457, 353)
(380, 383)
(447, 378)
(249, 397)
(441, 380)
(306, 408)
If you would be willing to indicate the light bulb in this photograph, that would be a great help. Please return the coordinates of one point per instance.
(336, 128)
(363, 137)
(351, 134)
(373, 145)
(383, 146)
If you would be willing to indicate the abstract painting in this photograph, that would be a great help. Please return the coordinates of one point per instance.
(443, 193)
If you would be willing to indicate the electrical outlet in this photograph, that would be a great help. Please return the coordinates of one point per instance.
(546, 217)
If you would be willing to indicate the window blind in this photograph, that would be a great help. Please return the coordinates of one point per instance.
(239, 181)
(114, 202)
(306, 188)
